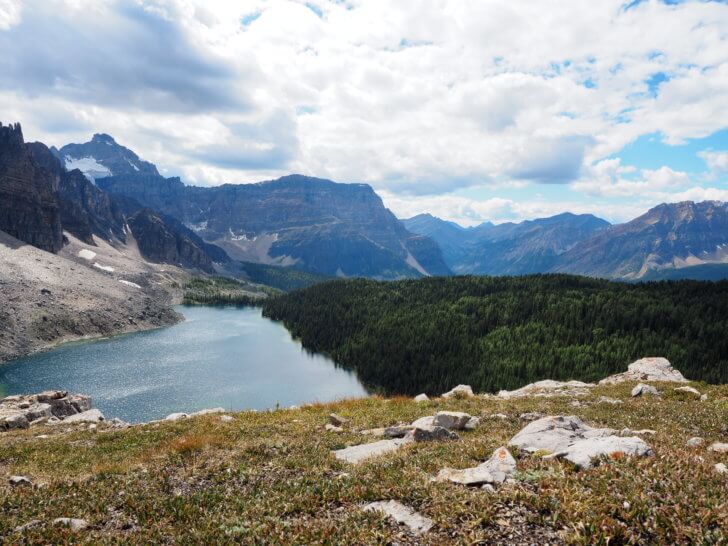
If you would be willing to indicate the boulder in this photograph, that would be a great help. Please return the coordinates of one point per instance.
(549, 388)
(13, 420)
(430, 434)
(22, 411)
(333, 428)
(583, 452)
(647, 369)
(497, 469)
(90, 416)
(688, 390)
(721, 468)
(451, 420)
(362, 452)
(402, 514)
(642, 389)
(695, 442)
(554, 434)
(461, 391)
(176, 416)
(421, 398)
(718, 447)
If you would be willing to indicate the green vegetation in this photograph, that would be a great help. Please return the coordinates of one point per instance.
(223, 291)
(496, 333)
(282, 278)
(269, 478)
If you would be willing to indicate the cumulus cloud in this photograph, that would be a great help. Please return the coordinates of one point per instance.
(418, 99)
(717, 162)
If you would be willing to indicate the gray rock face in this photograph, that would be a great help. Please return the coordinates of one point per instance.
(29, 209)
(642, 390)
(647, 369)
(22, 411)
(549, 388)
(451, 420)
(570, 438)
(497, 469)
(402, 514)
(359, 454)
(461, 391)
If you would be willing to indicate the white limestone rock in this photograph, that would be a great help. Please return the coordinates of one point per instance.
(404, 515)
(555, 433)
(461, 391)
(647, 369)
(549, 388)
(360, 453)
(721, 468)
(176, 416)
(421, 398)
(333, 428)
(20, 481)
(688, 390)
(497, 469)
(695, 442)
(583, 452)
(718, 447)
(427, 421)
(75, 524)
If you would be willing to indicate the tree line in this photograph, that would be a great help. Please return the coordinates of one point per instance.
(493, 333)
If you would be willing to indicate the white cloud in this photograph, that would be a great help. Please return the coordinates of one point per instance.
(717, 162)
(419, 99)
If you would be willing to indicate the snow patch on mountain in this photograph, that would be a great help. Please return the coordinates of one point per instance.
(89, 166)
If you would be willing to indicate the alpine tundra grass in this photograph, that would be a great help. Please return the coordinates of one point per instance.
(270, 478)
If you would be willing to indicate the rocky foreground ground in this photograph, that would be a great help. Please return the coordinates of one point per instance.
(637, 459)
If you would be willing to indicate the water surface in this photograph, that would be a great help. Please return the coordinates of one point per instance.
(220, 356)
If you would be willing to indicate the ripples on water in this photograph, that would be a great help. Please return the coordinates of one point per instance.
(229, 357)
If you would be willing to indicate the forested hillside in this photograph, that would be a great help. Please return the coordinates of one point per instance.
(430, 334)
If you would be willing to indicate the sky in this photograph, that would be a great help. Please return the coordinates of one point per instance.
(472, 110)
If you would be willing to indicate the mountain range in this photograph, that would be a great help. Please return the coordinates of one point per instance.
(101, 190)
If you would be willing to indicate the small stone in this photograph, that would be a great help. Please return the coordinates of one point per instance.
(337, 420)
(703, 397)
(472, 423)
(176, 416)
(695, 442)
(421, 398)
(362, 452)
(642, 390)
(20, 481)
(226, 418)
(89, 416)
(721, 468)
(498, 416)
(575, 404)
(497, 469)
(402, 514)
(430, 434)
(626, 505)
(31, 524)
(487, 487)
(461, 391)
(688, 390)
(451, 420)
(718, 447)
(333, 428)
(74, 523)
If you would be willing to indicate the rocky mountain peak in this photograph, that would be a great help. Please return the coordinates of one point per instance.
(11, 134)
(103, 138)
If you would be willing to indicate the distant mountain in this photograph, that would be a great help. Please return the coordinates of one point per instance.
(450, 236)
(29, 209)
(317, 225)
(669, 236)
(101, 157)
(527, 247)
(703, 272)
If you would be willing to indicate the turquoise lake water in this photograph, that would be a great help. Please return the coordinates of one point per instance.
(219, 356)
